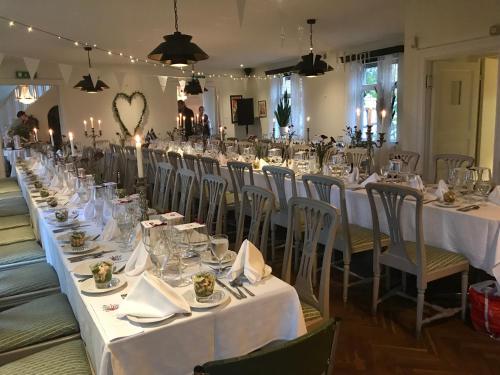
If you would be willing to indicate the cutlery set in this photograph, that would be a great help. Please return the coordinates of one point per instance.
(235, 284)
(468, 208)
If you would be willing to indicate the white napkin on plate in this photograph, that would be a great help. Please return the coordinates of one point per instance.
(110, 231)
(152, 298)
(374, 177)
(353, 176)
(241, 158)
(249, 262)
(417, 183)
(139, 261)
(441, 189)
(494, 196)
(222, 159)
(262, 163)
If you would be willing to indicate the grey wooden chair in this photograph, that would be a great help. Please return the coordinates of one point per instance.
(409, 158)
(450, 162)
(312, 354)
(356, 156)
(130, 173)
(426, 262)
(319, 217)
(259, 203)
(211, 209)
(210, 165)
(184, 193)
(238, 170)
(351, 238)
(163, 186)
(279, 217)
(175, 159)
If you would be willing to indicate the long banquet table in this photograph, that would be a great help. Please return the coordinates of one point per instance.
(116, 346)
(475, 234)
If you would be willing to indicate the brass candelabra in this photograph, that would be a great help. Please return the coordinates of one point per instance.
(143, 202)
(93, 135)
(372, 144)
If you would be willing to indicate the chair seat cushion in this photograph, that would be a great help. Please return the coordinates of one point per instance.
(7, 222)
(43, 319)
(8, 185)
(361, 239)
(229, 198)
(311, 314)
(12, 204)
(25, 279)
(20, 252)
(67, 358)
(437, 259)
(19, 234)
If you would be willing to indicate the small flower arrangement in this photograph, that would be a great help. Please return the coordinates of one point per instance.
(356, 136)
(321, 145)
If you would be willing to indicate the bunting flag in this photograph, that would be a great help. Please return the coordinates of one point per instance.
(202, 83)
(65, 72)
(163, 82)
(241, 10)
(182, 84)
(120, 79)
(31, 65)
(1, 58)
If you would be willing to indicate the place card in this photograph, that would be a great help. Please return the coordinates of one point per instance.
(171, 216)
(148, 224)
(189, 226)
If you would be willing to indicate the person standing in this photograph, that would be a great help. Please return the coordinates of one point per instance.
(204, 122)
(188, 114)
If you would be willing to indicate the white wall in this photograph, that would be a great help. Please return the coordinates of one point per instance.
(40, 109)
(488, 112)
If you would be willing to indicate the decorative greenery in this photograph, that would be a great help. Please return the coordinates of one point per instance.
(321, 146)
(129, 98)
(283, 111)
(356, 137)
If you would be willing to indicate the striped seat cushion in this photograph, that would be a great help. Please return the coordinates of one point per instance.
(19, 234)
(310, 313)
(20, 252)
(12, 204)
(8, 185)
(361, 239)
(436, 259)
(7, 222)
(63, 359)
(25, 279)
(40, 320)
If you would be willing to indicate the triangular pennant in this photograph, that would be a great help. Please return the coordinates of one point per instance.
(31, 65)
(94, 75)
(66, 72)
(202, 83)
(1, 58)
(241, 10)
(163, 82)
(120, 78)
(182, 84)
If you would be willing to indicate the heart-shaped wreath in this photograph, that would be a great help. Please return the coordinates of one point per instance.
(129, 98)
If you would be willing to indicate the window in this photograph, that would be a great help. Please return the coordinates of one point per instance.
(286, 86)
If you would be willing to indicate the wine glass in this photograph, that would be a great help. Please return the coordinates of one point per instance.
(126, 223)
(219, 245)
(155, 240)
(198, 243)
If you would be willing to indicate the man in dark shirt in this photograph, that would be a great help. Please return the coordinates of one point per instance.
(204, 122)
(188, 115)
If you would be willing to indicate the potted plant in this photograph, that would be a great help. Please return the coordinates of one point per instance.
(283, 113)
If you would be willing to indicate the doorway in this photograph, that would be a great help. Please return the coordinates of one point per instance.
(55, 125)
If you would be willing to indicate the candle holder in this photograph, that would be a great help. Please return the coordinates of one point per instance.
(372, 144)
(93, 135)
(143, 201)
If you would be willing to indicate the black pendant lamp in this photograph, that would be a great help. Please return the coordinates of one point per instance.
(312, 65)
(177, 50)
(86, 83)
(193, 86)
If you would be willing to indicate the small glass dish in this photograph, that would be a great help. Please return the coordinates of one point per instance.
(103, 273)
(204, 284)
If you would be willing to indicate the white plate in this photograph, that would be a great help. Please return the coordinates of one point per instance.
(447, 205)
(71, 221)
(68, 249)
(88, 286)
(83, 268)
(190, 297)
(208, 258)
(142, 320)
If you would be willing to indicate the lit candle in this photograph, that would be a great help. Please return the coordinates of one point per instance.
(383, 113)
(99, 123)
(85, 125)
(138, 151)
(70, 136)
(183, 121)
(51, 132)
(197, 118)
(358, 117)
(92, 122)
(308, 118)
(35, 130)
(192, 120)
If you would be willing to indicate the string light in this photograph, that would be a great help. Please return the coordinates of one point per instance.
(11, 23)
(30, 29)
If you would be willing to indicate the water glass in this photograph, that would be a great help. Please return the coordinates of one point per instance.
(219, 245)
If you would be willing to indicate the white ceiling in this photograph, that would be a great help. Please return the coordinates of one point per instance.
(137, 26)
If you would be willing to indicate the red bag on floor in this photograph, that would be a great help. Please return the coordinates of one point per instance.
(484, 301)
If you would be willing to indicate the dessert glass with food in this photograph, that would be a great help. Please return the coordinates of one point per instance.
(204, 283)
(61, 215)
(103, 273)
(77, 239)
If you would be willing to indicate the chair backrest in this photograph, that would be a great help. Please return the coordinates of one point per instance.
(163, 185)
(210, 165)
(356, 155)
(392, 197)
(279, 176)
(175, 159)
(130, 173)
(192, 162)
(237, 171)
(258, 203)
(409, 158)
(312, 354)
(244, 144)
(451, 161)
(212, 202)
(317, 217)
(184, 193)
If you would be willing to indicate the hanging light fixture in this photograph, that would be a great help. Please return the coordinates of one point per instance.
(26, 94)
(312, 65)
(86, 83)
(193, 86)
(177, 50)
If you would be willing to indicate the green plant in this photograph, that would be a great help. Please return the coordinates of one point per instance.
(283, 111)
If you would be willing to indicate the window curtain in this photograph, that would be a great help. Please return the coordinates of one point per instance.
(274, 97)
(386, 90)
(297, 103)
(354, 88)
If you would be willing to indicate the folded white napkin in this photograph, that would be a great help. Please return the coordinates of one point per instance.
(222, 159)
(152, 298)
(75, 199)
(110, 231)
(353, 176)
(417, 183)
(441, 189)
(139, 261)
(249, 262)
(89, 210)
(241, 158)
(494, 196)
(262, 163)
(55, 183)
(374, 177)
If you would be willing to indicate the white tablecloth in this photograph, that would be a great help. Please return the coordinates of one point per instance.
(118, 347)
(475, 234)
(12, 155)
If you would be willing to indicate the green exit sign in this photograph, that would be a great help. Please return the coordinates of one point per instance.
(21, 74)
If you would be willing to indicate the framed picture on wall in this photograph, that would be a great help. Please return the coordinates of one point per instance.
(262, 108)
(234, 106)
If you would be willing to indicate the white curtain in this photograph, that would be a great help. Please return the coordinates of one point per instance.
(354, 87)
(297, 103)
(275, 97)
(386, 91)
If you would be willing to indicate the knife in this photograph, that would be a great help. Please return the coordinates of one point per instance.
(237, 296)
(87, 256)
(468, 208)
(74, 227)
